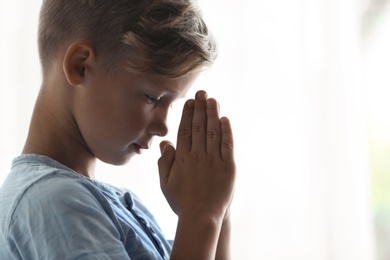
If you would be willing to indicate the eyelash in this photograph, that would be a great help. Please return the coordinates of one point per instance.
(151, 100)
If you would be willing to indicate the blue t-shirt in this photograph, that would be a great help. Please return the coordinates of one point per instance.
(48, 211)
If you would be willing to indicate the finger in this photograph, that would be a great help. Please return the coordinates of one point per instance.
(165, 162)
(199, 123)
(184, 132)
(213, 128)
(164, 145)
(227, 143)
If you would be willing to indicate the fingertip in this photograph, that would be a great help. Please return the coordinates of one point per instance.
(225, 124)
(201, 95)
(211, 103)
(164, 146)
(190, 103)
(167, 147)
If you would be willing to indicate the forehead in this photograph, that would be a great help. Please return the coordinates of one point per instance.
(163, 85)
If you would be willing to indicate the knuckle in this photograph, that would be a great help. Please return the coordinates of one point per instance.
(227, 145)
(212, 134)
(194, 159)
(198, 128)
(184, 132)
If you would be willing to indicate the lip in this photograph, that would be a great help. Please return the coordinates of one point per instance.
(140, 147)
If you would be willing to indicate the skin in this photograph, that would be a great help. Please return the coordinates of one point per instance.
(197, 178)
(83, 114)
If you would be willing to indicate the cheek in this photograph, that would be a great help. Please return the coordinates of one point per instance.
(101, 119)
(137, 116)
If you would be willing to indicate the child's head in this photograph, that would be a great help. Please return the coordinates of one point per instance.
(165, 37)
(111, 71)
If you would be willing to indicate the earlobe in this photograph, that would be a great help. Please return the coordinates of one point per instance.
(77, 62)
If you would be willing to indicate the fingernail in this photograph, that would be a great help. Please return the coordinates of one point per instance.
(202, 95)
(190, 103)
(166, 147)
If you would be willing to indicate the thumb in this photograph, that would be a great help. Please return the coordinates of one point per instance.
(165, 146)
(165, 161)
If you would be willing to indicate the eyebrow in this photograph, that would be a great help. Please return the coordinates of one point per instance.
(174, 94)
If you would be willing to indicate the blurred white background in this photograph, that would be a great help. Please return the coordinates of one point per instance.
(300, 80)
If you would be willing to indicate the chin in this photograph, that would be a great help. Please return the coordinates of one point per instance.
(117, 160)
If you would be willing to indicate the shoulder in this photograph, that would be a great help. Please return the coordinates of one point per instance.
(34, 176)
(62, 196)
(60, 186)
(37, 180)
(45, 191)
(51, 187)
(30, 186)
(61, 214)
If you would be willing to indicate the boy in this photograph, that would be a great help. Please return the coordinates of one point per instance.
(111, 70)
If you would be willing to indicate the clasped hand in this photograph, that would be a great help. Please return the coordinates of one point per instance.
(198, 176)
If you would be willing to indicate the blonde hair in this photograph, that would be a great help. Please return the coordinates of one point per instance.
(166, 37)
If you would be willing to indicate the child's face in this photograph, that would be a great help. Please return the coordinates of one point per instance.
(118, 116)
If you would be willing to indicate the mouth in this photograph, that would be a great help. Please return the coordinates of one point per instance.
(139, 148)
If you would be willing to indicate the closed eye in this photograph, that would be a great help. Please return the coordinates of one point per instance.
(151, 100)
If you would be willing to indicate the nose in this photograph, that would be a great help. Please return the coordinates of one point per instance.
(158, 125)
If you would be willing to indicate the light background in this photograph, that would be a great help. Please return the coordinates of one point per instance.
(306, 86)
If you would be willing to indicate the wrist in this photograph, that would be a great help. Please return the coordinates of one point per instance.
(196, 236)
(223, 248)
(202, 218)
(217, 216)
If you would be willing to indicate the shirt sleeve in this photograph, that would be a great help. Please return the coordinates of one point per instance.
(64, 218)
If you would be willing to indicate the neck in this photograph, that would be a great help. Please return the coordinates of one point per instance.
(54, 133)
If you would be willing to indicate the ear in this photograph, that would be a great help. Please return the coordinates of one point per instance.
(78, 61)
